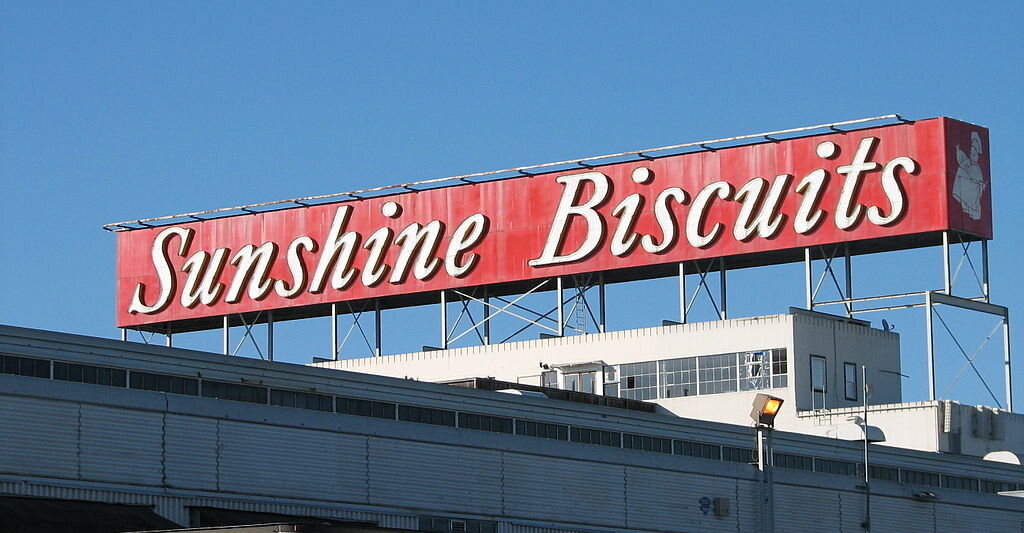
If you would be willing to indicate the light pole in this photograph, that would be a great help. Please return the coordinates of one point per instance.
(765, 408)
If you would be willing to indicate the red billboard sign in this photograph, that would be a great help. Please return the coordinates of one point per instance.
(881, 184)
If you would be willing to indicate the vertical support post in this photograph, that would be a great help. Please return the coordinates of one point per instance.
(763, 481)
(1006, 361)
(376, 328)
(334, 332)
(226, 337)
(487, 317)
(948, 283)
(167, 338)
(931, 344)
(867, 472)
(124, 334)
(270, 335)
(808, 282)
(682, 292)
(560, 330)
(770, 474)
(984, 269)
(721, 283)
(444, 320)
(849, 279)
(602, 312)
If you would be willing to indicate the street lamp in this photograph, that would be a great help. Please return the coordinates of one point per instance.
(765, 408)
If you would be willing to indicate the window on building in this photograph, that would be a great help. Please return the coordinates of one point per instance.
(597, 436)
(916, 477)
(818, 375)
(495, 424)
(164, 383)
(960, 482)
(370, 408)
(611, 382)
(234, 391)
(835, 466)
(301, 400)
(25, 366)
(739, 455)
(580, 382)
(646, 443)
(717, 373)
(755, 370)
(549, 378)
(542, 430)
(884, 473)
(95, 375)
(780, 369)
(702, 450)
(795, 462)
(426, 415)
(678, 377)
(639, 381)
(850, 380)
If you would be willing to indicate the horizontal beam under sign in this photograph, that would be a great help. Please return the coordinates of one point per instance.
(971, 305)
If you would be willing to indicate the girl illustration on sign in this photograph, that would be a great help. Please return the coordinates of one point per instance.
(969, 183)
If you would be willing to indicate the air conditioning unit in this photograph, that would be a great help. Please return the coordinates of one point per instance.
(457, 526)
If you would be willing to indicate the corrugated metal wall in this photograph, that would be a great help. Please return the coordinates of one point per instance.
(435, 477)
(190, 453)
(794, 505)
(565, 490)
(290, 462)
(121, 445)
(85, 451)
(38, 437)
(671, 501)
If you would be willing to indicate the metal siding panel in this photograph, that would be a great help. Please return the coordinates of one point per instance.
(564, 490)
(516, 528)
(435, 477)
(291, 462)
(951, 517)
(190, 459)
(901, 515)
(122, 445)
(670, 501)
(792, 504)
(38, 437)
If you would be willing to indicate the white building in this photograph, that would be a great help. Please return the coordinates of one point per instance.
(712, 371)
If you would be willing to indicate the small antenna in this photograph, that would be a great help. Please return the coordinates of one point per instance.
(887, 326)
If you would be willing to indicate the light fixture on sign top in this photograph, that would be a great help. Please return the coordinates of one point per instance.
(765, 409)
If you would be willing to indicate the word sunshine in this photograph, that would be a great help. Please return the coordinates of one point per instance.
(343, 258)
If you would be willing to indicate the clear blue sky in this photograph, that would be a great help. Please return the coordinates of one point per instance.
(121, 110)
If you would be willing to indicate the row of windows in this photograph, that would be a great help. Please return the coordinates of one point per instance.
(704, 374)
(32, 367)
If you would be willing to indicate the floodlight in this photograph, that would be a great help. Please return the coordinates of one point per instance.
(765, 409)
